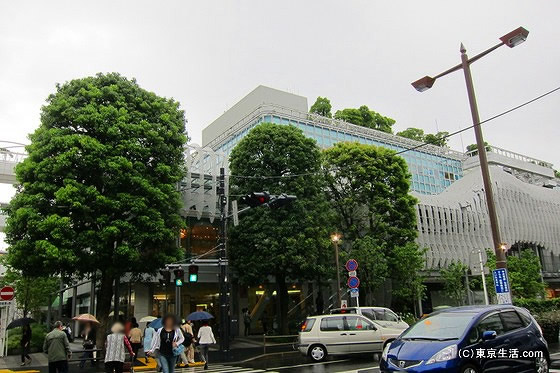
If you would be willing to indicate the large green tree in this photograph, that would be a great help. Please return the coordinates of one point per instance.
(98, 191)
(368, 187)
(322, 106)
(289, 243)
(365, 117)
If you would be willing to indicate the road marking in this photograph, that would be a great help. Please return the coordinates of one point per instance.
(310, 364)
(362, 370)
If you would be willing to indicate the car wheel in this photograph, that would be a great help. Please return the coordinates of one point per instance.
(469, 368)
(317, 353)
(541, 365)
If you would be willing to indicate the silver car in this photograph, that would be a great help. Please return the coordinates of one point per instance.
(325, 335)
(380, 315)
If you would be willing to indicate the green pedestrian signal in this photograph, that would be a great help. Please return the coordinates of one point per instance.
(178, 282)
(193, 273)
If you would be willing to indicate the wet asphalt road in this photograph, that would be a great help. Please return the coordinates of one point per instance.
(296, 363)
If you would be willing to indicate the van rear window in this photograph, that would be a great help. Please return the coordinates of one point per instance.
(307, 325)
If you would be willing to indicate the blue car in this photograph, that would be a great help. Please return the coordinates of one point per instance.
(471, 339)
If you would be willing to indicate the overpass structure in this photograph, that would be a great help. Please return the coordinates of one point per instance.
(8, 160)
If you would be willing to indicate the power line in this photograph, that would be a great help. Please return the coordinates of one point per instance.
(485, 121)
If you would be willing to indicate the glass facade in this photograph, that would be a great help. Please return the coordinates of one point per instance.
(431, 173)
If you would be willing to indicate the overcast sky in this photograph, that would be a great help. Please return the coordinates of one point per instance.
(209, 54)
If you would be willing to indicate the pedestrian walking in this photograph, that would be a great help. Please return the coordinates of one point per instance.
(114, 349)
(25, 345)
(166, 343)
(247, 321)
(135, 337)
(57, 348)
(148, 335)
(88, 343)
(190, 348)
(205, 339)
(187, 331)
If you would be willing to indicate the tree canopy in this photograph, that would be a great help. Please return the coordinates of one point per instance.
(438, 139)
(98, 190)
(368, 187)
(290, 243)
(322, 106)
(365, 117)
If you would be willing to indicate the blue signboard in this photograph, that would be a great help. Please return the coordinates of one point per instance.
(501, 283)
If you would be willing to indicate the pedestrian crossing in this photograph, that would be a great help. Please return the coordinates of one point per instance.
(217, 368)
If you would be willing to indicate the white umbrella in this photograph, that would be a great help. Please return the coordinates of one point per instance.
(121, 313)
(148, 319)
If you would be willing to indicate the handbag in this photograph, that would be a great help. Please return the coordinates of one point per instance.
(178, 350)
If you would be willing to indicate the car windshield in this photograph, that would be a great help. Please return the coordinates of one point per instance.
(442, 326)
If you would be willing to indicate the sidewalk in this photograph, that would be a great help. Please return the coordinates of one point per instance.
(241, 349)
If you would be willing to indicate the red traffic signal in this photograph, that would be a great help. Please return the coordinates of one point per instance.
(179, 273)
(255, 199)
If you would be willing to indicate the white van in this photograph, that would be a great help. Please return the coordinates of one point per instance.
(325, 335)
(381, 315)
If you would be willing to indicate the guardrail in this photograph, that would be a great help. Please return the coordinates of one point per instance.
(265, 337)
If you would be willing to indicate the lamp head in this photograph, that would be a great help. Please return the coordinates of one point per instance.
(516, 37)
(423, 84)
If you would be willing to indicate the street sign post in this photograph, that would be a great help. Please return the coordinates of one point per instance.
(353, 282)
(355, 293)
(501, 284)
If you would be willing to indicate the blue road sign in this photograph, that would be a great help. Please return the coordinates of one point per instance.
(501, 283)
(353, 282)
(351, 265)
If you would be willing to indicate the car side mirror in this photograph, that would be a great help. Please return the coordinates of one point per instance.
(489, 335)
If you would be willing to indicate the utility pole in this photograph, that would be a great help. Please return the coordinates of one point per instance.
(224, 288)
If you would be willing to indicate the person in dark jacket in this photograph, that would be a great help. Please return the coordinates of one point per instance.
(25, 345)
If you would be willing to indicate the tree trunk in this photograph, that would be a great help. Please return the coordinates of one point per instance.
(103, 307)
(282, 293)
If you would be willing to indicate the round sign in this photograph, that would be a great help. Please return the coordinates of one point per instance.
(353, 282)
(351, 265)
(7, 293)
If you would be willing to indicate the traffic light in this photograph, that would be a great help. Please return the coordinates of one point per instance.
(179, 276)
(255, 199)
(166, 277)
(193, 273)
(281, 200)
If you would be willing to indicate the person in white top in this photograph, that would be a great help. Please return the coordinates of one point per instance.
(205, 339)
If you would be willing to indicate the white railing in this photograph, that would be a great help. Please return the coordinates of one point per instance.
(333, 124)
(512, 155)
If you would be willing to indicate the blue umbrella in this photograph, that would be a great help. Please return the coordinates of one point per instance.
(199, 315)
(156, 324)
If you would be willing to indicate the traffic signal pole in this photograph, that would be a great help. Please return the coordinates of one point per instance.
(224, 285)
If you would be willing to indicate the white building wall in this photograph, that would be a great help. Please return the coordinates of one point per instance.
(455, 222)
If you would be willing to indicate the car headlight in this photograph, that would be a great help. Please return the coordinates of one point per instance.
(386, 351)
(448, 353)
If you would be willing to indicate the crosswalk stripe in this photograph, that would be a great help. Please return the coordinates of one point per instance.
(216, 369)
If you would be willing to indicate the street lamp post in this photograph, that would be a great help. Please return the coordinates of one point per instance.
(335, 238)
(511, 39)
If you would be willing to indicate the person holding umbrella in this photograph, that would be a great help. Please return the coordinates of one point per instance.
(148, 336)
(88, 335)
(25, 345)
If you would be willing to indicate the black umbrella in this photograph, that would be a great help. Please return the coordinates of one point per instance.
(20, 322)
